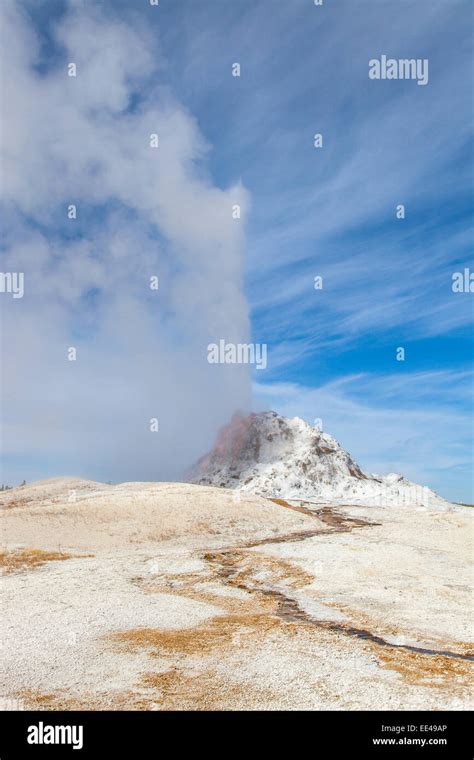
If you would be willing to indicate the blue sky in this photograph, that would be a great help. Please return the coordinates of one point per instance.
(308, 212)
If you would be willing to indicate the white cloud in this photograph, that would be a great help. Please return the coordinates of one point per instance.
(141, 212)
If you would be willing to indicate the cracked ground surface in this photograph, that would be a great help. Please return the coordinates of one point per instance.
(174, 596)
